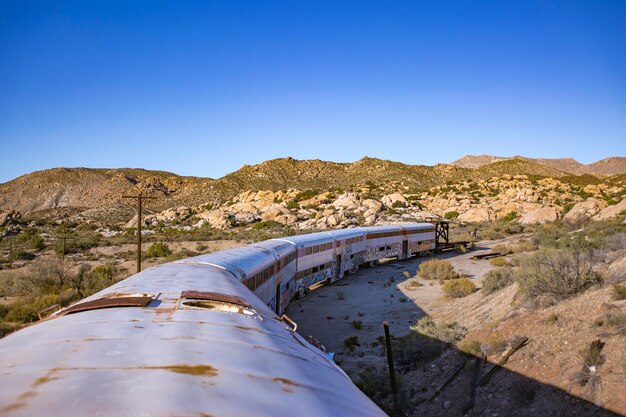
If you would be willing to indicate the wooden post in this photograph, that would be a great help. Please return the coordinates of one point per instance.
(392, 373)
(140, 199)
(139, 233)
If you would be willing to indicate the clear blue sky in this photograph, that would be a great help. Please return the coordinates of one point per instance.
(200, 88)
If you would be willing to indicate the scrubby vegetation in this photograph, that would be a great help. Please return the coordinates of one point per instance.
(457, 288)
(560, 273)
(158, 250)
(496, 280)
(437, 269)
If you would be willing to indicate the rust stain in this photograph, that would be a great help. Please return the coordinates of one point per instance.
(45, 379)
(27, 394)
(12, 407)
(286, 381)
(246, 328)
(196, 370)
(287, 384)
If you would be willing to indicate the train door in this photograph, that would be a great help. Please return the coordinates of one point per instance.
(278, 299)
(338, 267)
(405, 249)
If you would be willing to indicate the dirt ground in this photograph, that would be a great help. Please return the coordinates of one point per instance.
(536, 381)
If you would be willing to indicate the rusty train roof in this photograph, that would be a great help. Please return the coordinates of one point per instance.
(171, 359)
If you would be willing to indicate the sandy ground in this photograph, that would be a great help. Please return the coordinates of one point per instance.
(545, 367)
(373, 295)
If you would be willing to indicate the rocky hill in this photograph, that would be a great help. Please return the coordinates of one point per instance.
(607, 166)
(97, 188)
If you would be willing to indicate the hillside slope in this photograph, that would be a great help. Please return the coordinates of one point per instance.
(607, 166)
(91, 188)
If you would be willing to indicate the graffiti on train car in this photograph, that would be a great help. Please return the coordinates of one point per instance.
(309, 280)
(386, 250)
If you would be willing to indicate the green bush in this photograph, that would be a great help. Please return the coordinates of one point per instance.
(414, 349)
(374, 382)
(397, 204)
(25, 311)
(499, 261)
(451, 215)
(158, 250)
(357, 324)
(457, 288)
(497, 279)
(437, 269)
(448, 332)
(268, 224)
(510, 216)
(36, 242)
(561, 273)
(351, 342)
(619, 292)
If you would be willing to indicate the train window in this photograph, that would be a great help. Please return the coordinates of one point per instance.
(316, 248)
(382, 248)
(308, 251)
(222, 303)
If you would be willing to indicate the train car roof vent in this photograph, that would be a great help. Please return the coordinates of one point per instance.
(223, 303)
(110, 301)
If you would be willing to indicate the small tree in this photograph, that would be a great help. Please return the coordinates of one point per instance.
(158, 250)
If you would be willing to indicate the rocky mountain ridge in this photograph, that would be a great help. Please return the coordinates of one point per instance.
(93, 188)
(606, 166)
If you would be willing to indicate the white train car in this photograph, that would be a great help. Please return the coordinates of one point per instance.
(200, 336)
(349, 250)
(384, 242)
(315, 255)
(179, 339)
(420, 237)
(266, 268)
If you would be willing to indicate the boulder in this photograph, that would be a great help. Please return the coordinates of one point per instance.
(611, 212)
(475, 215)
(4, 219)
(274, 211)
(348, 201)
(391, 199)
(540, 215)
(372, 206)
(215, 218)
(585, 209)
(243, 208)
(287, 219)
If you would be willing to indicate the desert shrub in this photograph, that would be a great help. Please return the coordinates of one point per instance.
(23, 255)
(436, 269)
(305, 195)
(158, 250)
(494, 343)
(293, 205)
(414, 349)
(560, 273)
(351, 342)
(503, 248)
(470, 347)
(36, 242)
(403, 299)
(451, 215)
(414, 283)
(268, 224)
(357, 324)
(496, 280)
(619, 292)
(374, 382)
(406, 274)
(510, 216)
(448, 332)
(25, 310)
(457, 288)
(499, 261)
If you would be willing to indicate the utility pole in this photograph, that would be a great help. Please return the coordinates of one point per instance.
(140, 199)
(10, 251)
(64, 237)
